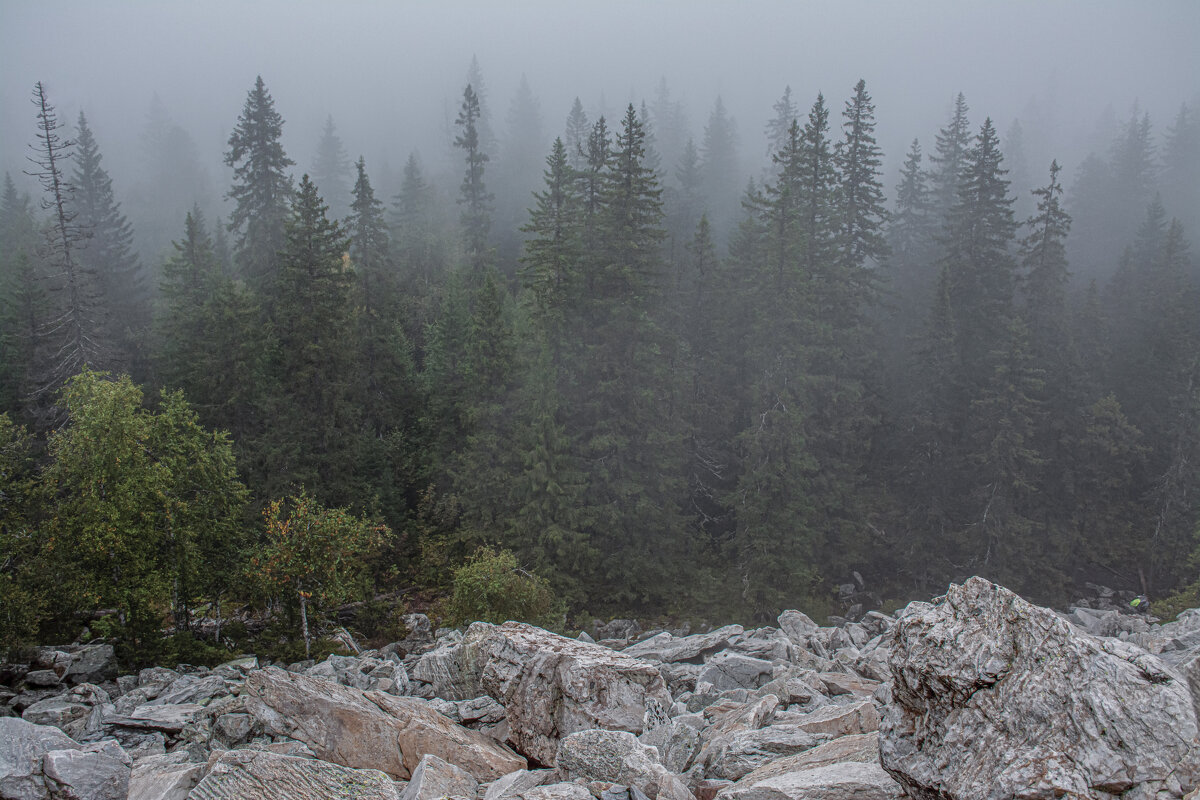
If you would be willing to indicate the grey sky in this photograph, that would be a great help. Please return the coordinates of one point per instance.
(390, 73)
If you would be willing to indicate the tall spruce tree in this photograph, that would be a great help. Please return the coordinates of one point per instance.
(331, 171)
(948, 159)
(73, 336)
(108, 251)
(474, 197)
(262, 188)
(22, 298)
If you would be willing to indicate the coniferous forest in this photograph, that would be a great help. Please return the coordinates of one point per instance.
(652, 367)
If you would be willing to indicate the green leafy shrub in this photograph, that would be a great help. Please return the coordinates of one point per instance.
(492, 587)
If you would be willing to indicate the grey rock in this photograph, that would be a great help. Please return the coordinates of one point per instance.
(557, 791)
(863, 748)
(22, 748)
(732, 756)
(551, 686)
(157, 677)
(797, 626)
(619, 792)
(514, 783)
(434, 778)
(729, 670)
(664, 647)
(368, 730)
(233, 728)
(841, 720)
(769, 644)
(170, 719)
(845, 781)
(482, 710)
(677, 744)
(91, 663)
(617, 757)
(163, 777)
(244, 774)
(42, 678)
(452, 668)
(77, 775)
(191, 689)
(1022, 703)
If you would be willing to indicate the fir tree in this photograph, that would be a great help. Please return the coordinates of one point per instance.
(108, 252)
(473, 194)
(262, 189)
(331, 169)
(575, 136)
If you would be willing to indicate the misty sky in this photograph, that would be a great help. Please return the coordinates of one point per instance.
(391, 73)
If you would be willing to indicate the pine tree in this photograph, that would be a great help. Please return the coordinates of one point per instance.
(108, 252)
(1181, 169)
(817, 191)
(22, 299)
(331, 170)
(473, 194)
(517, 171)
(1046, 276)
(262, 189)
(912, 261)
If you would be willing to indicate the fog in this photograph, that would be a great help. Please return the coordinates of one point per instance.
(391, 74)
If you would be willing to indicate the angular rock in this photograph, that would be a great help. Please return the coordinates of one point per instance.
(617, 757)
(863, 748)
(797, 626)
(515, 783)
(91, 663)
(834, 720)
(677, 744)
(191, 689)
(729, 670)
(995, 697)
(77, 775)
(163, 777)
(244, 774)
(452, 668)
(838, 683)
(169, 719)
(846, 781)
(368, 730)
(551, 686)
(42, 678)
(434, 778)
(22, 748)
(695, 648)
(734, 755)
(483, 710)
(557, 791)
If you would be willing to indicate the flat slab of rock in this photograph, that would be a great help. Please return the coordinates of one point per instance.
(670, 649)
(551, 686)
(834, 720)
(168, 718)
(996, 697)
(434, 778)
(845, 781)
(243, 774)
(729, 670)
(368, 730)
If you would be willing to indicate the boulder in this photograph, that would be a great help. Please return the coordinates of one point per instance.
(551, 686)
(841, 720)
(163, 777)
(23, 746)
(617, 757)
(695, 648)
(728, 670)
(846, 781)
(434, 778)
(170, 719)
(797, 626)
(452, 668)
(368, 730)
(863, 748)
(77, 775)
(677, 743)
(91, 663)
(515, 783)
(557, 791)
(732, 756)
(257, 774)
(995, 697)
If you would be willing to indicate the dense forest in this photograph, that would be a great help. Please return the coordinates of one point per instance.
(664, 371)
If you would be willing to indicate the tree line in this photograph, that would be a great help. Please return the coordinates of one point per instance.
(661, 389)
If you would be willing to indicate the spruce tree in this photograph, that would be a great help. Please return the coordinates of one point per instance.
(22, 298)
(549, 269)
(73, 336)
(108, 251)
(778, 126)
(720, 174)
(262, 189)
(331, 170)
(861, 204)
(575, 136)
(948, 160)
(473, 194)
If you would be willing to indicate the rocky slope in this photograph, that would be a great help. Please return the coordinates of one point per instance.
(977, 694)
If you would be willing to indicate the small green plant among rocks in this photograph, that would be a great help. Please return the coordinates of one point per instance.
(493, 587)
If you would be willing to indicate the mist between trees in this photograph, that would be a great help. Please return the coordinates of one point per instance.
(674, 370)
